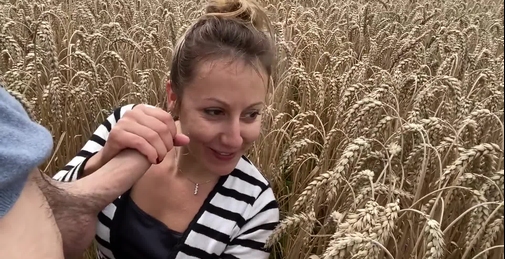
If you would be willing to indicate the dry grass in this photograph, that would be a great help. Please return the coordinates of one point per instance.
(384, 137)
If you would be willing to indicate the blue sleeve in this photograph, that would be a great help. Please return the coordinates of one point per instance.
(24, 145)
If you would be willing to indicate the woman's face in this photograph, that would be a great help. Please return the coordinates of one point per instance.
(220, 113)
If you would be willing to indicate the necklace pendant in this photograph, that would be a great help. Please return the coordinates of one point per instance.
(196, 189)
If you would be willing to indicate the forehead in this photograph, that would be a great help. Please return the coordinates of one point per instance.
(230, 81)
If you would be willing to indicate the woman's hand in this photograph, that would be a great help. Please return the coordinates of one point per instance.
(148, 129)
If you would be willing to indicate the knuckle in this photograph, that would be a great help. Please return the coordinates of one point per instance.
(164, 116)
(128, 113)
(169, 117)
(151, 135)
(137, 143)
(132, 114)
(139, 106)
(124, 120)
(170, 145)
(116, 131)
(113, 135)
(144, 107)
(164, 129)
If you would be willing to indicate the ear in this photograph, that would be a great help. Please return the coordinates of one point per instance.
(171, 96)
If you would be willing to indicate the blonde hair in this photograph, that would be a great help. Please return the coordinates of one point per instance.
(236, 29)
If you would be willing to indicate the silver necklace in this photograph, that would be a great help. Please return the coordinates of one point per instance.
(195, 183)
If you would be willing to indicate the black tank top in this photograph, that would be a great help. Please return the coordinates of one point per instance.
(136, 234)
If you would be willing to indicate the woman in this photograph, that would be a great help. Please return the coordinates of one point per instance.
(201, 198)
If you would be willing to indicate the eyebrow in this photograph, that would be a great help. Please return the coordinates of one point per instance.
(225, 104)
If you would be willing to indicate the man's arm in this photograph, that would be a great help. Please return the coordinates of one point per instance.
(75, 205)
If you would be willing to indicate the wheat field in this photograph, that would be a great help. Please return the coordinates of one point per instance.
(383, 137)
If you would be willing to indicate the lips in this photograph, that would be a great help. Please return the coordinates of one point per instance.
(224, 156)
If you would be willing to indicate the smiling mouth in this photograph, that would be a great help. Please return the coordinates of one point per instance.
(224, 156)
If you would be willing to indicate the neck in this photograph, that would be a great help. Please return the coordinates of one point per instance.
(188, 167)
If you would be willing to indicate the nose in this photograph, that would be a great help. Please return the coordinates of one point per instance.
(232, 137)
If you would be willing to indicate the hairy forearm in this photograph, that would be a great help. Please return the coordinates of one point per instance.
(75, 205)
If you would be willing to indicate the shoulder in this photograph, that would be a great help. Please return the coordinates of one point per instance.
(264, 207)
(247, 179)
(248, 172)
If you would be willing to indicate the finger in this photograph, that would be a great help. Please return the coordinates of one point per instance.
(181, 140)
(162, 129)
(142, 145)
(178, 138)
(150, 136)
(161, 115)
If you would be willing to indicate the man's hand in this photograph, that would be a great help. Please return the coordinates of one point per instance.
(75, 205)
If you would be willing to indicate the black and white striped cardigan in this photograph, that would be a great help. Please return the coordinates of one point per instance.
(234, 222)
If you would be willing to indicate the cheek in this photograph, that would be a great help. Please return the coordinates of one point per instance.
(251, 133)
(203, 134)
(194, 126)
(200, 134)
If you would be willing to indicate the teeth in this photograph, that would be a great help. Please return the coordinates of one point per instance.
(222, 153)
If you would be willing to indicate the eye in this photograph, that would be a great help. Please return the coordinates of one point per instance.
(213, 112)
(253, 115)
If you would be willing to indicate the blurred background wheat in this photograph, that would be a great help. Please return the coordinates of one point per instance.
(383, 137)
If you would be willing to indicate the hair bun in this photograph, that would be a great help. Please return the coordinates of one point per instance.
(248, 11)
